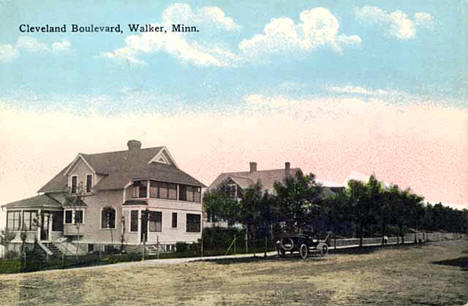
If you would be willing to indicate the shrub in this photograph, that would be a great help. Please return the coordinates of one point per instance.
(10, 266)
(181, 247)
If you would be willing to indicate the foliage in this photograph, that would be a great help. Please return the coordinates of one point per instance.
(220, 206)
(6, 236)
(296, 198)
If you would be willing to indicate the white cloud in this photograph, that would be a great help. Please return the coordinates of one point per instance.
(208, 16)
(60, 45)
(178, 45)
(318, 28)
(8, 53)
(397, 24)
(350, 89)
(30, 44)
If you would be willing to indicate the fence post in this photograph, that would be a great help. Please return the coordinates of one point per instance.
(266, 247)
(201, 246)
(334, 242)
(246, 241)
(235, 244)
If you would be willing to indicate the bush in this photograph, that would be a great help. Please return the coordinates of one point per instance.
(221, 238)
(181, 247)
(10, 266)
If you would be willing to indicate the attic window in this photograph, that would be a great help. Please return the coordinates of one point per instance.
(231, 190)
(89, 182)
(74, 183)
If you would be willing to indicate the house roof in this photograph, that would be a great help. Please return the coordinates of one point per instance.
(246, 178)
(39, 201)
(268, 178)
(121, 167)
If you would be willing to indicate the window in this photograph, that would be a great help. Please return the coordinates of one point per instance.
(189, 193)
(89, 182)
(182, 192)
(30, 220)
(154, 189)
(193, 223)
(139, 189)
(174, 220)
(172, 191)
(74, 183)
(155, 221)
(134, 221)
(163, 190)
(13, 220)
(231, 191)
(108, 218)
(196, 194)
(68, 216)
(74, 216)
(78, 217)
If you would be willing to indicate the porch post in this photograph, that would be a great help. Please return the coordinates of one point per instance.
(148, 189)
(139, 225)
(39, 224)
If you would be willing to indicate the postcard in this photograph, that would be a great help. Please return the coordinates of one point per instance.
(233, 152)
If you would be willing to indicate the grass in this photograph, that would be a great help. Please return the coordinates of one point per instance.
(433, 274)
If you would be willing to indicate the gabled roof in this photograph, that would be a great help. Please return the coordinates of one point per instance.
(39, 201)
(246, 178)
(121, 167)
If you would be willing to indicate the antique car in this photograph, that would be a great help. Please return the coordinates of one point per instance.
(304, 244)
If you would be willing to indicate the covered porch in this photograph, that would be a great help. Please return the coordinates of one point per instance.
(39, 217)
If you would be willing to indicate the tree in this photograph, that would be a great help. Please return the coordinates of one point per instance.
(5, 238)
(364, 200)
(220, 206)
(297, 199)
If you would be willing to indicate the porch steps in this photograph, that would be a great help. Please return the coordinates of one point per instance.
(54, 249)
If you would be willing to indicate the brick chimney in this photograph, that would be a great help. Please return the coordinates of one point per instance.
(253, 166)
(287, 168)
(133, 145)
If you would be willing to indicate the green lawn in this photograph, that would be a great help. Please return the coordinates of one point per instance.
(433, 274)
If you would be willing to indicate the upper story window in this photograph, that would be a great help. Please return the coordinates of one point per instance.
(231, 190)
(163, 190)
(89, 182)
(189, 193)
(139, 189)
(74, 184)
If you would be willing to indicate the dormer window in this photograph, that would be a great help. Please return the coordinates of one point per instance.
(74, 183)
(89, 182)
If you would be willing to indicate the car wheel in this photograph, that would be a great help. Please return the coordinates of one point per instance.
(324, 250)
(304, 251)
(281, 252)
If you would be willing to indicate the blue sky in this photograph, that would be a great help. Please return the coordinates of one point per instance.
(331, 86)
(431, 62)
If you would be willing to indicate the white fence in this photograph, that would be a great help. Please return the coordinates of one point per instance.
(394, 240)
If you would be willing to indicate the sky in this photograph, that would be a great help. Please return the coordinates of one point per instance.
(376, 87)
